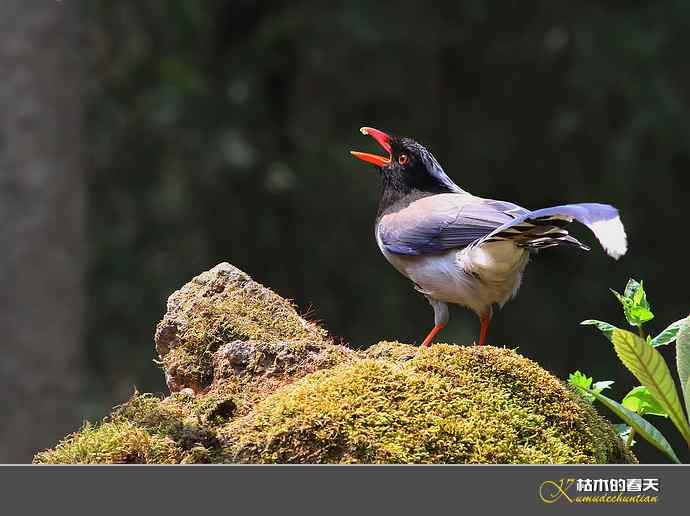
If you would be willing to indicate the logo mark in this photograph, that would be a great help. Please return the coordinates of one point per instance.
(551, 491)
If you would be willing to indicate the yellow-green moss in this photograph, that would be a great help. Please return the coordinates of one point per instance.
(243, 314)
(112, 442)
(252, 381)
(146, 429)
(393, 403)
(444, 404)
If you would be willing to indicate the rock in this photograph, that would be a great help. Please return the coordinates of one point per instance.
(223, 307)
(257, 359)
(253, 382)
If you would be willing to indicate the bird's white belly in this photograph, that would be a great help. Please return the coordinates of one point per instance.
(475, 277)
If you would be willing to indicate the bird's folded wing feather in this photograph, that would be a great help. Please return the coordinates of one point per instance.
(441, 222)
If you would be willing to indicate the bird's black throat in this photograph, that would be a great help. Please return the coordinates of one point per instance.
(398, 192)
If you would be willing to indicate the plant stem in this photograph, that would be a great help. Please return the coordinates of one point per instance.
(631, 435)
(642, 333)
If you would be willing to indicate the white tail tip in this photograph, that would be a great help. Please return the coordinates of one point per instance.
(611, 234)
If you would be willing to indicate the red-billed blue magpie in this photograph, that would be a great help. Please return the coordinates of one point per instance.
(459, 248)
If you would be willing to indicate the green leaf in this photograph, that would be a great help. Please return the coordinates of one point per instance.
(683, 359)
(579, 379)
(638, 315)
(624, 433)
(668, 335)
(626, 301)
(639, 297)
(635, 304)
(641, 401)
(621, 428)
(601, 385)
(642, 313)
(582, 381)
(631, 288)
(604, 327)
(643, 427)
(649, 367)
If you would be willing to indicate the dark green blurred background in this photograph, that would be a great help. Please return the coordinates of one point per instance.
(220, 130)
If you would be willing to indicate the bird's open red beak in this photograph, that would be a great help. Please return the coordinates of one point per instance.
(383, 140)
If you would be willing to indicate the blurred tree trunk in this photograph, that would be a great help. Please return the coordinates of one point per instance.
(41, 216)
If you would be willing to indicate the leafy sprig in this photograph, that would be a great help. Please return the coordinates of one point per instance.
(656, 395)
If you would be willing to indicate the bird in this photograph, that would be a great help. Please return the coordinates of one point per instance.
(458, 248)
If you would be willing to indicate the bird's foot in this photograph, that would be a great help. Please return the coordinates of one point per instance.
(427, 341)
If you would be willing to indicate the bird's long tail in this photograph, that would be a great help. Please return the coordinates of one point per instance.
(545, 228)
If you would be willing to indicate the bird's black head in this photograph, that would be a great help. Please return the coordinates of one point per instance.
(409, 167)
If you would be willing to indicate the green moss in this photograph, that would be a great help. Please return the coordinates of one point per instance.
(112, 443)
(393, 403)
(252, 381)
(445, 404)
(252, 313)
(146, 429)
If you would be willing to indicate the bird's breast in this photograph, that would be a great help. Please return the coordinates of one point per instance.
(475, 277)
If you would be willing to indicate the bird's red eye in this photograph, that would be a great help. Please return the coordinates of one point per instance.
(403, 159)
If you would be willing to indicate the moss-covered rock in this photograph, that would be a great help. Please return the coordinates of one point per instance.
(218, 307)
(252, 381)
(148, 429)
(446, 404)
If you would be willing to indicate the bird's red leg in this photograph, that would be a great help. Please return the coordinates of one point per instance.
(485, 319)
(432, 334)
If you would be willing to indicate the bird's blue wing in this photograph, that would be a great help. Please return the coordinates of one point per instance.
(441, 222)
(453, 221)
